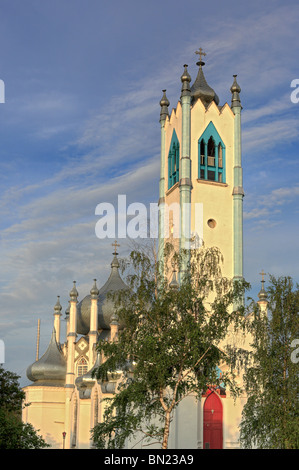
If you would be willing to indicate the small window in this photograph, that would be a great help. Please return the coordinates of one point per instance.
(82, 366)
(173, 161)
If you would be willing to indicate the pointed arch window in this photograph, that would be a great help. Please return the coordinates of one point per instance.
(82, 366)
(211, 150)
(173, 161)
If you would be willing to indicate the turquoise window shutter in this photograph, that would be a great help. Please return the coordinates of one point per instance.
(173, 161)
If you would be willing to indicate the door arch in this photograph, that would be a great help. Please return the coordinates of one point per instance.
(212, 422)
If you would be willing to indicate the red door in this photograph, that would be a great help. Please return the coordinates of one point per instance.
(212, 422)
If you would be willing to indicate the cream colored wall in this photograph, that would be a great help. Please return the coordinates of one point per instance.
(84, 427)
(216, 198)
(46, 412)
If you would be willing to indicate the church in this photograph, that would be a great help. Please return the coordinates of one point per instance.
(201, 166)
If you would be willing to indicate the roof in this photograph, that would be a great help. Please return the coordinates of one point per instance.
(50, 369)
(106, 306)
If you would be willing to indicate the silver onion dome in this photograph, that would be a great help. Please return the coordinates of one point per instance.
(106, 306)
(50, 369)
(164, 103)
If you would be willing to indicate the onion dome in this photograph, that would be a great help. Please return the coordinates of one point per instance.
(164, 103)
(200, 89)
(74, 293)
(94, 292)
(114, 319)
(185, 79)
(235, 90)
(262, 295)
(57, 307)
(106, 307)
(174, 283)
(67, 312)
(50, 369)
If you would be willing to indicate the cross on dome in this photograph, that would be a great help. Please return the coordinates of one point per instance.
(115, 244)
(262, 274)
(201, 53)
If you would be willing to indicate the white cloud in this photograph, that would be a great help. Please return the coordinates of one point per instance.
(49, 237)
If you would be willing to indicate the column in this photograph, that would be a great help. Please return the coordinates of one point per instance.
(185, 169)
(164, 103)
(93, 330)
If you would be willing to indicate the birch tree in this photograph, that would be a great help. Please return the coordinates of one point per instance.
(170, 345)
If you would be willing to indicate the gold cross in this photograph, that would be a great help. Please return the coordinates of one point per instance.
(115, 244)
(262, 274)
(200, 53)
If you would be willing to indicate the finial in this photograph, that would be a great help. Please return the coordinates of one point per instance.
(114, 319)
(94, 292)
(201, 53)
(164, 103)
(263, 275)
(74, 293)
(262, 294)
(115, 244)
(235, 90)
(185, 79)
(115, 263)
(67, 311)
(57, 306)
(174, 283)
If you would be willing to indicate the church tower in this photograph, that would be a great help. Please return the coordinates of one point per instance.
(201, 171)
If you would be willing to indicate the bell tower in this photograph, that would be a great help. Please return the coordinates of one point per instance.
(201, 171)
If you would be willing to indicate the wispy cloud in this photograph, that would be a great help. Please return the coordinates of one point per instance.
(48, 221)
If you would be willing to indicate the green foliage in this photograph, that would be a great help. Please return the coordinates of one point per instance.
(170, 345)
(14, 434)
(271, 416)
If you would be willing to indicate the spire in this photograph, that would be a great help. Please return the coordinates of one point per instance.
(57, 307)
(235, 90)
(200, 88)
(164, 103)
(262, 295)
(185, 79)
(74, 293)
(94, 292)
(115, 262)
(67, 312)
(57, 315)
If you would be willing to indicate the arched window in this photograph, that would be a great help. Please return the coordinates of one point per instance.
(82, 366)
(173, 161)
(211, 151)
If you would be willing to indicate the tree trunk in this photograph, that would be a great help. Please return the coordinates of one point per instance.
(166, 430)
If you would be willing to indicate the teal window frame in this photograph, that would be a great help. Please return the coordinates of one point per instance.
(209, 166)
(173, 161)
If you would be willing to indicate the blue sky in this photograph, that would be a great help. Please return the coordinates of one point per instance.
(80, 124)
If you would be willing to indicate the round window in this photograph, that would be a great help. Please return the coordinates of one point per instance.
(212, 223)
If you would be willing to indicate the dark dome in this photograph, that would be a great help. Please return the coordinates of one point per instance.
(106, 307)
(200, 89)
